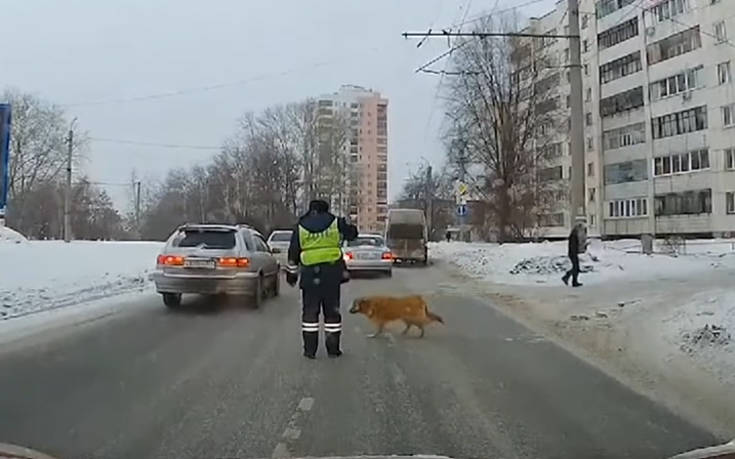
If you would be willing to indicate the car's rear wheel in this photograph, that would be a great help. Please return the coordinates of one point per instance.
(171, 300)
(257, 298)
(277, 283)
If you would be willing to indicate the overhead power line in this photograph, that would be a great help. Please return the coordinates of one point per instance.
(484, 34)
(213, 87)
(156, 145)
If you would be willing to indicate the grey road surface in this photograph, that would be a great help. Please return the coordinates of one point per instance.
(223, 381)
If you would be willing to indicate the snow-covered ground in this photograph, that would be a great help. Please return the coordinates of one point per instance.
(546, 262)
(42, 275)
(10, 235)
(660, 320)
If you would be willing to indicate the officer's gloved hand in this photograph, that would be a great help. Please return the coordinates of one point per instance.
(292, 275)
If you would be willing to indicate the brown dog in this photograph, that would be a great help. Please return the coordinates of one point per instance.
(412, 310)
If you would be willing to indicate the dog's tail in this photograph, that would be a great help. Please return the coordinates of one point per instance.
(433, 316)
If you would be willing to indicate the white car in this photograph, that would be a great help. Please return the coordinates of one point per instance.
(368, 253)
(216, 259)
(278, 241)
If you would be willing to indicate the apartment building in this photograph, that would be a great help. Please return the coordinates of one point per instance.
(552, 92)
(365, 111)
(668, 144)
(659, 115)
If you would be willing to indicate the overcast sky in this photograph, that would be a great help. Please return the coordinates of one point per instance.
(262, 52)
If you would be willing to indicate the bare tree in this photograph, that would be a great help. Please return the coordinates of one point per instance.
(503, 113)
(39, 156)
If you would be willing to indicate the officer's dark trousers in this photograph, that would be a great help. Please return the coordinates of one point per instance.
(326, 300)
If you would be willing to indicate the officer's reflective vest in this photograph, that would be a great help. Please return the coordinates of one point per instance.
(322, 247)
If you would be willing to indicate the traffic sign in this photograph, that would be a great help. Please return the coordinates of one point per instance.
(462, 210)
(4, 156)
(462, 188)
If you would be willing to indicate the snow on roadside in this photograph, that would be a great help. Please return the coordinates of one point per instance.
(43, 275)
(704, 328)
(8, 235)
(545, 262)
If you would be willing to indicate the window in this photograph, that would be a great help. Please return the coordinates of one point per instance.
(590, 169)
(730, 158)
(723, 73)
(618, 34)
(585, 20)
(605, 7)
(674, 45)
(207, 239)
(730, 202)
(260, 244)
(621, 67)
(684, 203)
(676, 84)
(551, 173)
(588, 96)
(720, 32)
(627, 171)
(681, 162)
(551, 219)
(585, 46)
(694, 119)
(630, 208)
(665, 10)
(545, 84)
(550, 151)
(625, 136)
(586, 69)
(621, 102)
(728, 115)
(590, 144)
(588, 119)
(591, 194)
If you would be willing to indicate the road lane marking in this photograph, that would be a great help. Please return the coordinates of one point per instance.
(306, 403)
(292, 431)
(399, 377)
(280, 452)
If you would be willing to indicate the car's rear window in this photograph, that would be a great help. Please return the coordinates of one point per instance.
(281, 236)
(374, 241)
(405, 231)
(205, 239)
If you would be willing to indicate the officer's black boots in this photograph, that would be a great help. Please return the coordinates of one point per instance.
(311, 342)
(332, 341)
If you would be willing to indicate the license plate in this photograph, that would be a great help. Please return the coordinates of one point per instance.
(205, 264)
(369, 256)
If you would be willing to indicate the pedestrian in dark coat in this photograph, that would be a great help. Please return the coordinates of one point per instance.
(573, 252)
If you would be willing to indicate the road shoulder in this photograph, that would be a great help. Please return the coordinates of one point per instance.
(626, 348)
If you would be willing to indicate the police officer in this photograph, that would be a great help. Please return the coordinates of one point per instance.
(315, 247)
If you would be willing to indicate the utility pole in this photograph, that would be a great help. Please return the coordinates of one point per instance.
(429, 198)
(67, 191)
(137, 206)
(577, 115)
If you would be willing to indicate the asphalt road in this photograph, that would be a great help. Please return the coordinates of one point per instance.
(230, 382)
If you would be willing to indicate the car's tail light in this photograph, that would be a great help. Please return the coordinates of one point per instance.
(170, 260)
(348, 256)
(232, 262)
(387, 256)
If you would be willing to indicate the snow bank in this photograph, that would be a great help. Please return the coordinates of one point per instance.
(9, 235)
(42, 275)
(703, 327)
(540, 263)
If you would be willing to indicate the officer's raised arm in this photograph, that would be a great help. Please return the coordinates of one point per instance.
(347, 230)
